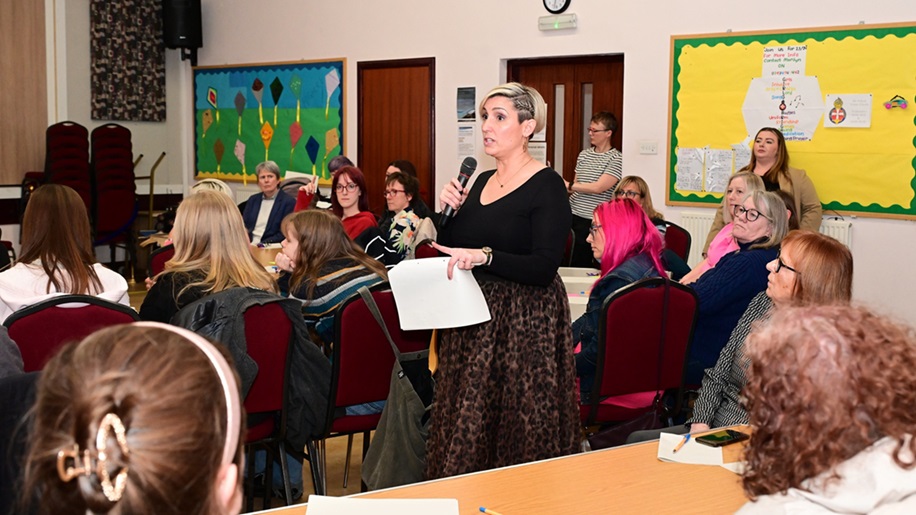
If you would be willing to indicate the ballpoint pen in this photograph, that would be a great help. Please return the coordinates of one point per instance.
(686, 438)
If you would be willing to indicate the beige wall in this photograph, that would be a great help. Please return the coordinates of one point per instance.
(471, 41)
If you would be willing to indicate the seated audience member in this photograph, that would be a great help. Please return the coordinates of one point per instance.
(391, 242)
(57, 257)
(419, 206)
(139, 418)
(635, 188)
(629, 249)
(309, 194)
(212, 184)
(726, 291)
(324, 268)
(265, 210)
(830, 394)
(811, 269)
(211, 255)
(739, 186)
(10, 358)
(350, 201)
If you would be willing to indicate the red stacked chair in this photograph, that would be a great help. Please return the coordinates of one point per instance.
(67, 159)
(115, 191)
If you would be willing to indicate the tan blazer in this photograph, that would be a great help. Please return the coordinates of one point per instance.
(807, 205)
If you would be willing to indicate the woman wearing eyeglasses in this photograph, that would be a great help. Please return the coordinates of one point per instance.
(390, 243)
(349, 201)
(725, 291)
(623, 240)
(739, 186)
(770, 162)
(598, 168)
(810, 269)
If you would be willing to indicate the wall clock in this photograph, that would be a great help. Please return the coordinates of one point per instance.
(556, 6)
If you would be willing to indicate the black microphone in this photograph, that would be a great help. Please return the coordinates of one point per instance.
(468, 167)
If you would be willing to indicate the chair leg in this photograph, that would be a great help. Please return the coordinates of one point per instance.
(363, 487)
(284, 467)
(249, 481)
(313, 467)
(347, 463)
(268, 477)
(324, 464)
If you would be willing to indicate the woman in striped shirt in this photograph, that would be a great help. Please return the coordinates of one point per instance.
(598, 169)
(324, 267)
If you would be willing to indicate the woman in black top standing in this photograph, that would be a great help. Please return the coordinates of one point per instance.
(505, 390)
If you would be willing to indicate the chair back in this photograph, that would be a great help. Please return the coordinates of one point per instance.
(158, 258)
(268, 332)
(41, 329)
(67, 159)
(362, 357)
(426, 251)
(646, 328)
(677, 239)
(115, 204)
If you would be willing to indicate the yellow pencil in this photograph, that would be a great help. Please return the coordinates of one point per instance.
(488, 512)
(686, 438)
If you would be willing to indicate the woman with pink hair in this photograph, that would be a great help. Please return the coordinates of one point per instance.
(629, 248)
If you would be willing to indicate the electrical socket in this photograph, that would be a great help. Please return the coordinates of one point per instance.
(648, 147)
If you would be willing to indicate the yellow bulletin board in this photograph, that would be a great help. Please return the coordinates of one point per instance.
(725, 87)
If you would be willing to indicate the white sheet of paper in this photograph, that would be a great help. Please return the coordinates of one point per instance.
(321, 505)
(692, 452)
(427, 299)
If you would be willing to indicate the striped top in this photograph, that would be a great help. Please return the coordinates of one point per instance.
(338, 281)
(590, 165)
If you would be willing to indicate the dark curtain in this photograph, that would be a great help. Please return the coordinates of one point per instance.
(127, 60)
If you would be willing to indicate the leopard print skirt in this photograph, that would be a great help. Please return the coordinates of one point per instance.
(505, 389)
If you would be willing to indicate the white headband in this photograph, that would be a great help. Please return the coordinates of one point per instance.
(226, 379)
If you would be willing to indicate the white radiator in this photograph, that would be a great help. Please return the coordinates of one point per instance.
(698, 224)
(840, 230)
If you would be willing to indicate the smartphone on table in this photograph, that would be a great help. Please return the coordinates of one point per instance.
(722, 438)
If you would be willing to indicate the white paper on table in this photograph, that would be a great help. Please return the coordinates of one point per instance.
(692, 452)
(427, 299)
(321, 505)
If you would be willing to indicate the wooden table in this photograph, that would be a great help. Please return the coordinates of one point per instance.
(622, 480)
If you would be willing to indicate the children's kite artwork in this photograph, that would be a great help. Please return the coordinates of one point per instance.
(306, 100)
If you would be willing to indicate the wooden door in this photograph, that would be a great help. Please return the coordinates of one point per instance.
(396, 120)
(583, 85)
(23, 87)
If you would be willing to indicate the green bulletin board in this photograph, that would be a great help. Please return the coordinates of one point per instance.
(860, 154)
(291, 113)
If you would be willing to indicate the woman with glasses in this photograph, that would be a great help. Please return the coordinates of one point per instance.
(810, 269)
(505, 389)
(739, 186)
(350, 202)
(725, 291)
(598, 168)
(623, 240)
(770, 162)
(390, 243)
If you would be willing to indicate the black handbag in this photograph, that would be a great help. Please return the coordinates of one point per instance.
(397, 453)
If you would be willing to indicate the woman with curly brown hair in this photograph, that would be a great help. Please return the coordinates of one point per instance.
(831, 392)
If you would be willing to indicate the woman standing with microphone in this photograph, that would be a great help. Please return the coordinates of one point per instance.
(505, 391)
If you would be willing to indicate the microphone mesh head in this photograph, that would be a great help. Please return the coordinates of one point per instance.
(468, 166)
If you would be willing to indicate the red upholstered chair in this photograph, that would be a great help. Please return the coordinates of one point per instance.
(67, 159)
(114, 189)
(41, 329)
(361, 371)
(647, 328)
(268, 332)
(426, 251)
(677, 239)
(158, 258)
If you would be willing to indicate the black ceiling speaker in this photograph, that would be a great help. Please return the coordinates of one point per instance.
(181, 26)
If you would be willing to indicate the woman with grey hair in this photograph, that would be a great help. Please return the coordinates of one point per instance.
(510, 228)
(760, 224)
(265, 210)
